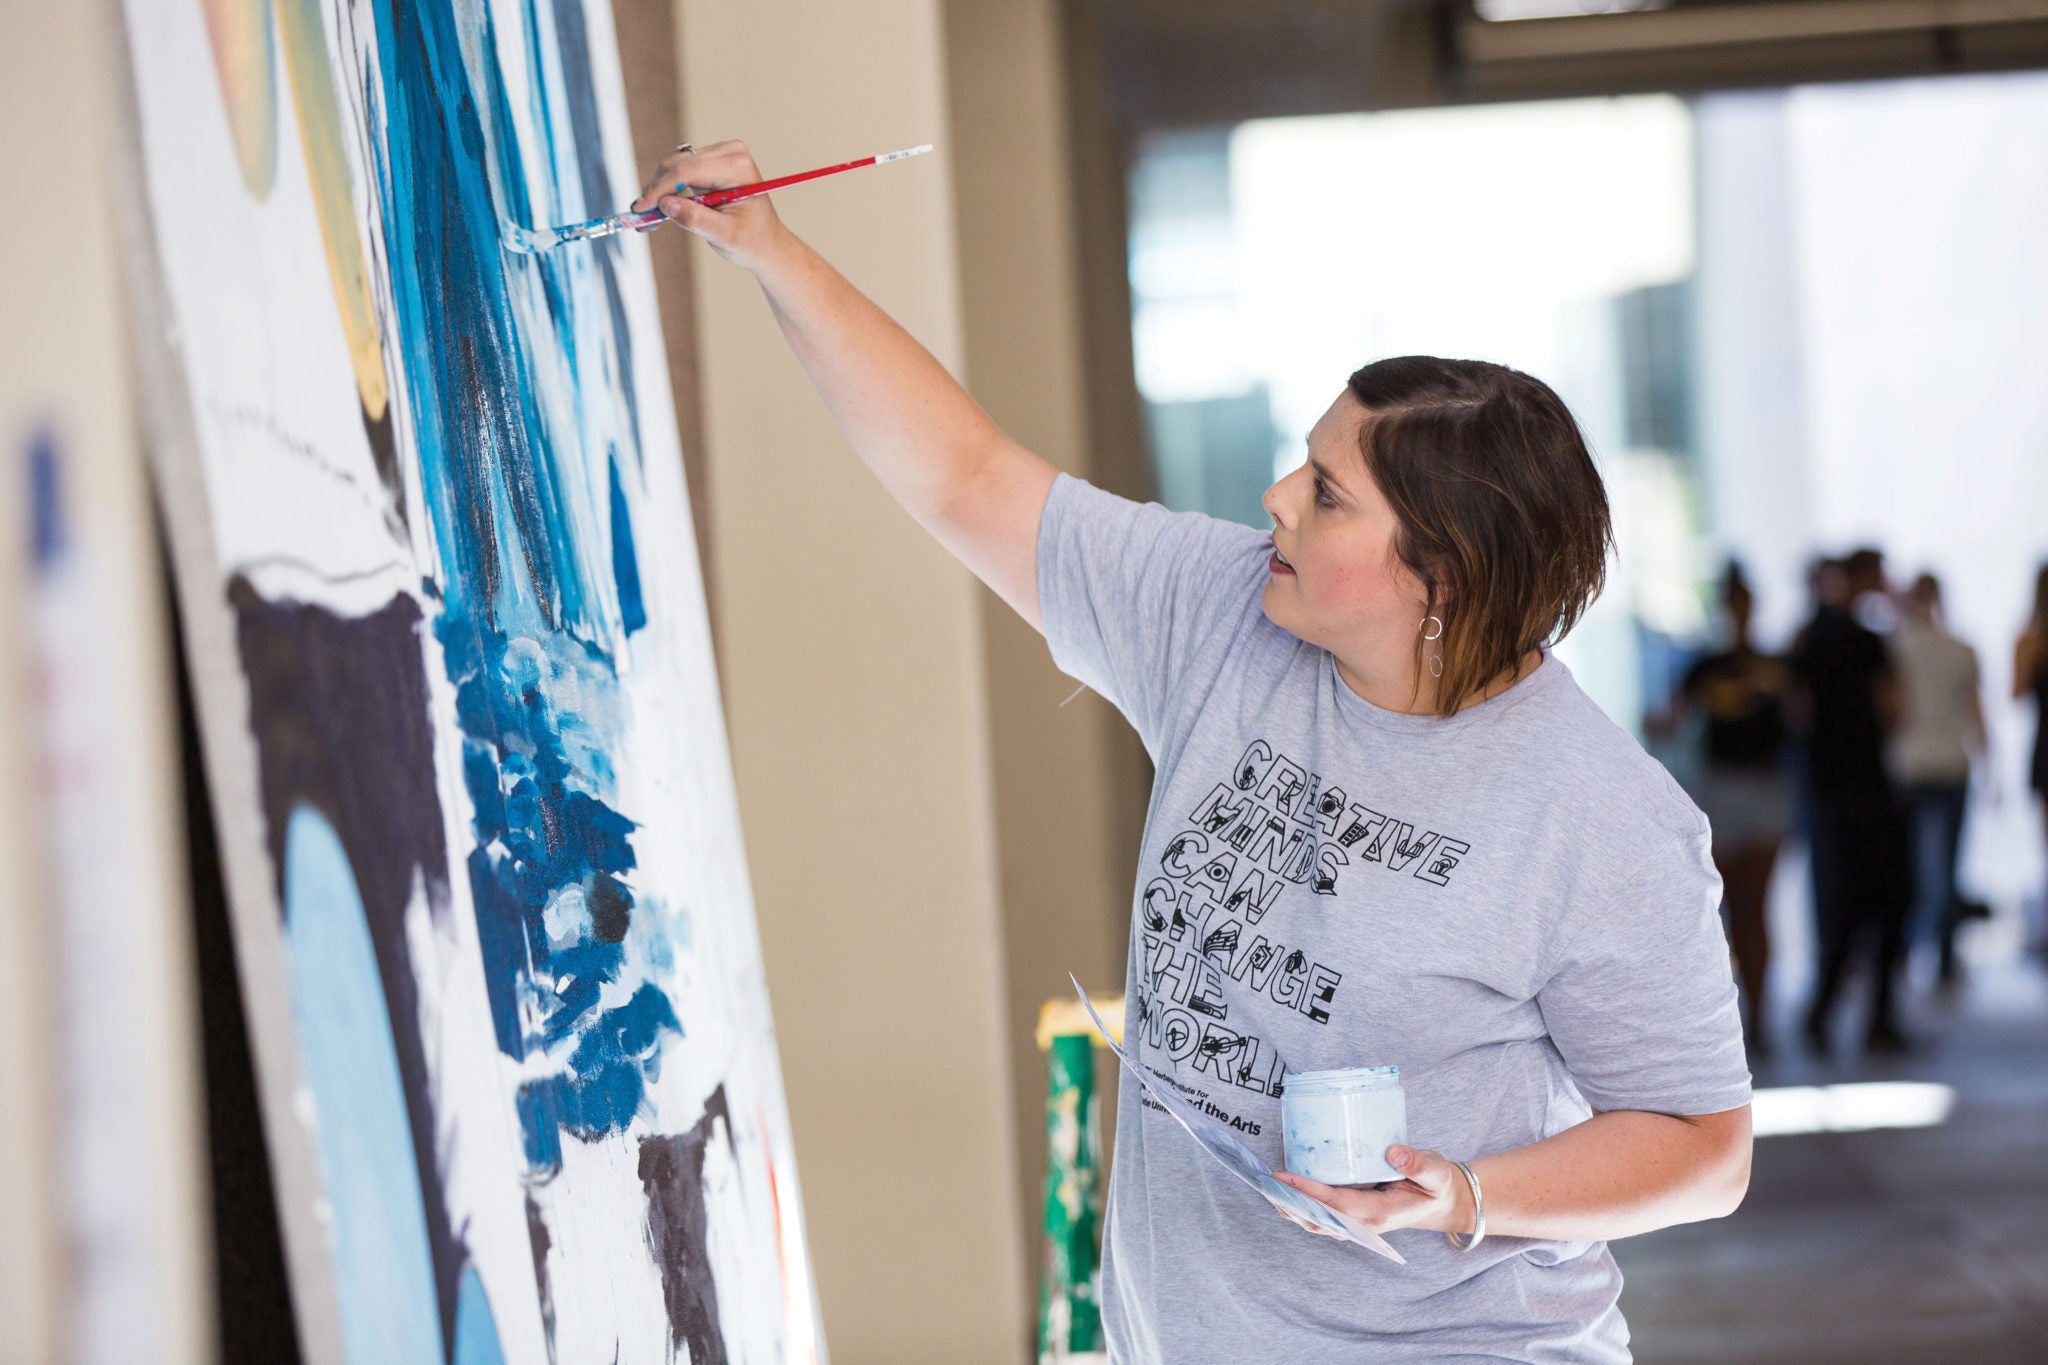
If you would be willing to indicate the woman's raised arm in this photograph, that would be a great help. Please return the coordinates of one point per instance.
(939, 455)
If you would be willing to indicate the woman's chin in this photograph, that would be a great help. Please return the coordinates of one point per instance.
(1277, 613)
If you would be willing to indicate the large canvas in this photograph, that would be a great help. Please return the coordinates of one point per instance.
(461, 722)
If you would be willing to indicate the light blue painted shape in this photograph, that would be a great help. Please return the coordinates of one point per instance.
(384, 1274)
(476, 1331)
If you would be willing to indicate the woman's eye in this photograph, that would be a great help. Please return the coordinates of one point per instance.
(1323, 498)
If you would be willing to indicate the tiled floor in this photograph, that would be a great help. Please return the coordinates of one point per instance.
(1885, 1247)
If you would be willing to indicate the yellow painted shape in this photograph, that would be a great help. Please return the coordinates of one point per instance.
(239, 32)
(312, 77)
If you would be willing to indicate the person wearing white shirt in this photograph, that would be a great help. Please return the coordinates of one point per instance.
(1942, 729)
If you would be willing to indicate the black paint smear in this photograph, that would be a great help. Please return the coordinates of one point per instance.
(340, 713)
(542, 1242)
(672, 1171)
(611, 910)
(384, 454)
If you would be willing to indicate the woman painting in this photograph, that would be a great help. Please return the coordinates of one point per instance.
(1387, 828)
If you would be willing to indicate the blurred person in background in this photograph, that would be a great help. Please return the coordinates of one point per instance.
(1871, 600)
(1740, 784)
(1862, 869)
(2030, 679)
(1940, 731)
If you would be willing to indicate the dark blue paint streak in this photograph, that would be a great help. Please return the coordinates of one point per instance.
(520, 630)
(625, 564)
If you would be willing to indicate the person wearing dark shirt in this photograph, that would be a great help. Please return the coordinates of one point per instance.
(1862, 867)
(2030, 679)
(1739, 694)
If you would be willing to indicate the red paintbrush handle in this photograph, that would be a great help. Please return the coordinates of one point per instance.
(713, 199)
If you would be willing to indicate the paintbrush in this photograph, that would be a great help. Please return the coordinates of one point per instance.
(531, 239)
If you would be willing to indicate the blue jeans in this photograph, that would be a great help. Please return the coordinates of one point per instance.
(1936, 810)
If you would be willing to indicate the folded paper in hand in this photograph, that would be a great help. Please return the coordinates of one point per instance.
(1240, 1160)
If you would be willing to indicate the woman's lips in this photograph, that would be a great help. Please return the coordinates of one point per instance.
(1278, 565)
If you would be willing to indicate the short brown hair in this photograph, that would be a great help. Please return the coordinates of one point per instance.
(1502, 515)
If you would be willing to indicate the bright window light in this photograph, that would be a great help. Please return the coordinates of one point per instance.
(1850, 1108)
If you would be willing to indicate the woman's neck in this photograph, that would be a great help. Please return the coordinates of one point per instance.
(1409, 692)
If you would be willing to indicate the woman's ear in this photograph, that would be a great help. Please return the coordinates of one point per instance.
(1439, 580)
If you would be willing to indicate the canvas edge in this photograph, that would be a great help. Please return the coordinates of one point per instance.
(228, 746)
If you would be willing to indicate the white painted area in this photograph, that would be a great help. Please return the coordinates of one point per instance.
(273, 393)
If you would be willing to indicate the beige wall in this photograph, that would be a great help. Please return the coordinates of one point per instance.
(62, 333)
(1070, 779)
(849, 649)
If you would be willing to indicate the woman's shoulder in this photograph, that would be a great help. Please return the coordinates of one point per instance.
(1587, 770)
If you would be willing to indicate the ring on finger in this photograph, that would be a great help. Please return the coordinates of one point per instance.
(682, 147)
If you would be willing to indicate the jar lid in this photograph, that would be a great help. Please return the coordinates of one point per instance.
(1347, 1078)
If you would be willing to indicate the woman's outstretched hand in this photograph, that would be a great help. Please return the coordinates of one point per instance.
(744, 233)
(1434, 1195)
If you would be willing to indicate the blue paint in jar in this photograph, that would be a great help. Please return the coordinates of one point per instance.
(1337, 1125)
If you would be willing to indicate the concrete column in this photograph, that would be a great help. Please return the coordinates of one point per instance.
(855, 692)
(1069, 829)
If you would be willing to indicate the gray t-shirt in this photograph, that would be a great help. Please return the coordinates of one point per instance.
(1515, 905)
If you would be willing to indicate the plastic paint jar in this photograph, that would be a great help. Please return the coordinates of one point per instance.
(1337, 1125)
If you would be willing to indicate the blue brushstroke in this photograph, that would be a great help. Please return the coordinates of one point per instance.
(625, 564)
(384, 1271)
(538, 578)
(608, 1071)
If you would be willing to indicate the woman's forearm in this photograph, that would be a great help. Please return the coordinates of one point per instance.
(908, 419)
(1616, 1175)
(980, 494)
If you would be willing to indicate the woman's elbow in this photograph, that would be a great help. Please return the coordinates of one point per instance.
(1725, 1162)
(1728, 1181)
(1734, 1185)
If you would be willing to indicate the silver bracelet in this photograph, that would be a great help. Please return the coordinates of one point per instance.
(1478, 1212)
